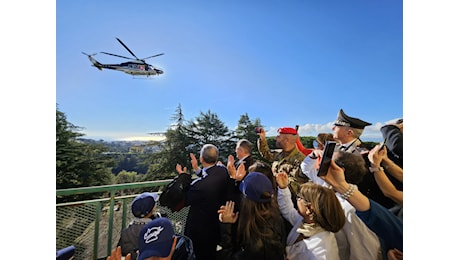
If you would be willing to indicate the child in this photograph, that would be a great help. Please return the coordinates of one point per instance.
(143, 209)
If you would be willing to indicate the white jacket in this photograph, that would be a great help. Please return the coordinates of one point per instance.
(319, 246)
(355, 240)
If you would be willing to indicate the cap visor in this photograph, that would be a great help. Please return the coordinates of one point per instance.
(161, 249)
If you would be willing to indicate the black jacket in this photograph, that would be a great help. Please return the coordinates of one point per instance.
(234, 251)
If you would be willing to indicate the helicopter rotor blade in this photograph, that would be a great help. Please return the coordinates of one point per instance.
(117, 55)
(153, 56)
(127, 48)
(89, 55)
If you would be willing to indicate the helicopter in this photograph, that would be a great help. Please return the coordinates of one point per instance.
(136, 67)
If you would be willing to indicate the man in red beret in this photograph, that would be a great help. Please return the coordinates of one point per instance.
(287, 160)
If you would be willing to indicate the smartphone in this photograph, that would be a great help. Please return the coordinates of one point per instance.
(329, 148)
(382, 144)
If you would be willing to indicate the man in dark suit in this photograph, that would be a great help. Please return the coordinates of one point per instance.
(243, 153)
(205, 196)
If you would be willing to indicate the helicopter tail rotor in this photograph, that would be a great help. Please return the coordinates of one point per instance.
(95, 62)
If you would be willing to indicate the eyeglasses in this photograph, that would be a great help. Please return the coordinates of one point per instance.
(300, 197)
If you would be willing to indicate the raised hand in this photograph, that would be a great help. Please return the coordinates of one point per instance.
(335, 175)
(231, 166)
(194, 162)
(181, 170)
(226, 214)
(282, 180)
(240, 172)
(116, 254)
(377, 154)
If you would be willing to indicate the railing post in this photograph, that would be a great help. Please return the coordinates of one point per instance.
(96, 229)
(123, 220)
(109, 237)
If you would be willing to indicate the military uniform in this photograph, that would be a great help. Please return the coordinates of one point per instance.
(289, 163)
(368, 186)
(352, 147)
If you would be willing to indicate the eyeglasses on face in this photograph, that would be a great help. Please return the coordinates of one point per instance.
(300, 197)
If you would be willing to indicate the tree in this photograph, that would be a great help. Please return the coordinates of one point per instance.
(126, 177)
(209, 129)
(78, 164)
(175, 149)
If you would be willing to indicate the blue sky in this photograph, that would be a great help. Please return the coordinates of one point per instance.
(287, 63)
(42, 65)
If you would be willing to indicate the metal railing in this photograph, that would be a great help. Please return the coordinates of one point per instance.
(94, 226)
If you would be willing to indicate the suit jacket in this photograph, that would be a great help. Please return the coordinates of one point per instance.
(248, 161)
(205, 197)
(394, 143)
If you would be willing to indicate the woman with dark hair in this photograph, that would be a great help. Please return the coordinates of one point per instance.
(318, 216)
(260, 232)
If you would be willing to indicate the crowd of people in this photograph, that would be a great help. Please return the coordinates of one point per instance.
(249, 209)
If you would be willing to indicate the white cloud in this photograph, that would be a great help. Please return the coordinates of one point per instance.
(371, 133)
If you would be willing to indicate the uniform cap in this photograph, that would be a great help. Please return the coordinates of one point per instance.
(345, 120)
(143, 204)
(287, 130)
(156, 238)
(254, 185)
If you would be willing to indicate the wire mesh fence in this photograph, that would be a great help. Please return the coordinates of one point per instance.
(94, 226)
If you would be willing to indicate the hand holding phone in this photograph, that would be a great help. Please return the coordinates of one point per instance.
(329, 148)
(382, 144)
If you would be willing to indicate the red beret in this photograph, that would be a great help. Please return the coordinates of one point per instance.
(287, 130)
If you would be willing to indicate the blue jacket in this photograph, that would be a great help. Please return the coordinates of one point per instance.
(386, 225)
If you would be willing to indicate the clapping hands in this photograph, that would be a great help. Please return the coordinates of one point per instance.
(226, 214)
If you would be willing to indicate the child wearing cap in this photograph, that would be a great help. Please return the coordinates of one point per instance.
(143, 209)
(157, 240)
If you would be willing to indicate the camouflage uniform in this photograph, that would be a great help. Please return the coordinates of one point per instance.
(289, 164)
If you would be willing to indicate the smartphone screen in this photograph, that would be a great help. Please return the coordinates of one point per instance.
(329, 148)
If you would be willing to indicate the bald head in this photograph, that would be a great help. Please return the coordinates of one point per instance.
(209, 154)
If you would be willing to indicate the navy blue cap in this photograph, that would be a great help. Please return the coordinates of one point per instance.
(144, 204)
(156, 238)
(254, 185)
(65, 253)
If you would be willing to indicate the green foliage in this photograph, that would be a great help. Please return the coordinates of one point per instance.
(129, 162)
(83, 164)
(175, 149)
(126, 177)
(207, 128)
(78, 164)
(185, 137)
